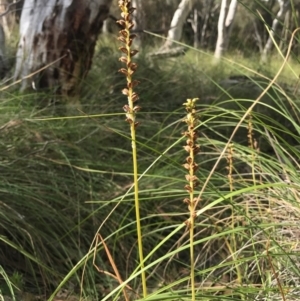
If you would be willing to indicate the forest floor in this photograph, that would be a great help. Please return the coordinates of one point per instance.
(66, 174)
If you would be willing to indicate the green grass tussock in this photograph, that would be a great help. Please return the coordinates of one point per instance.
(64, 177)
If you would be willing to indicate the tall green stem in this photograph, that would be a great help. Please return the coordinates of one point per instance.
(130, 109)
(137, 210)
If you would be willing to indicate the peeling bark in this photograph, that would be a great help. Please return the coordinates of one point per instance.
(58, 36)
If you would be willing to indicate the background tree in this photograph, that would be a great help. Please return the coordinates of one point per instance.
(178, 20)
(139, 21)
(227, 14)
(284, 6)
(10, 11)
(206, 16)
(63, 35)
(58, 37)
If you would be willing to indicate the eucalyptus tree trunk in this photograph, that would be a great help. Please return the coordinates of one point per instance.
(178, 20)
(57, 41)
(227, 14)
(284, 6)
